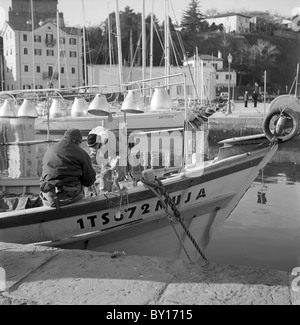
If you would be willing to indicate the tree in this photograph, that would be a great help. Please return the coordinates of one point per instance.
(95, 49)
(192, 18)
(212, 12)
(263, 56)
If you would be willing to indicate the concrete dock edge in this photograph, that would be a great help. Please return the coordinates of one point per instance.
(46, 276)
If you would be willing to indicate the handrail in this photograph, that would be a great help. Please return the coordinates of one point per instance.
(74, 89)
(28, 143)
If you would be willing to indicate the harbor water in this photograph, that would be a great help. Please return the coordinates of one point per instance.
(263, 230)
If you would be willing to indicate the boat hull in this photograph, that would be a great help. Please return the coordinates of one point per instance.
(136, 222)
(147, 121)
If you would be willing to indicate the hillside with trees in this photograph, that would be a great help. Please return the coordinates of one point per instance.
(252, 53)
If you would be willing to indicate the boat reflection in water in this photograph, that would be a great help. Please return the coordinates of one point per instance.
(17, 160)
(264, 229)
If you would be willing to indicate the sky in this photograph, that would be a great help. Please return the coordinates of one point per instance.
(96, 11)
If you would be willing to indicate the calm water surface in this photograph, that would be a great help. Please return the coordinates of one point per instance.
(264, 229)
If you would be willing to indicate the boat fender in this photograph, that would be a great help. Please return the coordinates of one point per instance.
(280, 125)
(284, 115)
(149, 175)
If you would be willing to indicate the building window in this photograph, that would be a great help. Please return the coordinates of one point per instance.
(26, 68)
(25, 37)
(38, 38)
(50, 52)
(189, 90)
(37, 51)
(50, 38)
(50, 72)
(217, 77)
(11, 51)
(38, 69)
(26, 87)
(25, 51)
(73, 54)
(179, 90)
(73, 70)
(62, 40)
(72, 41)
(62, 53)
(62, 70)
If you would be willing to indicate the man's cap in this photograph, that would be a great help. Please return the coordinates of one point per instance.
(73, 134)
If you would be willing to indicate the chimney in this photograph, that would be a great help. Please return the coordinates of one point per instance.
(219, 55)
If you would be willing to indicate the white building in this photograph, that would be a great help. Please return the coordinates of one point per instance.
(31, 60)
(222, 74)
(200, 85)
(232, 22)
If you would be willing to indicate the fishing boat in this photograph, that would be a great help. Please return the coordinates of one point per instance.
(141, 219)
(173, 214)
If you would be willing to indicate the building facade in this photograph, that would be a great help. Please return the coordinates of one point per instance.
(222, 74)
(232, 22)
(37, 59)
(37, 54)
(200, 84)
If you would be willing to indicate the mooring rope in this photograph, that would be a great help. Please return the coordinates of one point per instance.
(160, 191)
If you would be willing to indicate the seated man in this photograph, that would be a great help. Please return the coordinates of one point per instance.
(67, 168)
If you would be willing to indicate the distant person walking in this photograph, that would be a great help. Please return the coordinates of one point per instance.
(255, 98)
(246, 98)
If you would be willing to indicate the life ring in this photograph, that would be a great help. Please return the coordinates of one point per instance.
(285, 113)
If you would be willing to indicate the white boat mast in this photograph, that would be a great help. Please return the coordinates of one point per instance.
(144, 43)
(167, 46)
(84, 45)
(151, 40)
(32, 37)
(58, 49)
(109, 43)
(120, 58)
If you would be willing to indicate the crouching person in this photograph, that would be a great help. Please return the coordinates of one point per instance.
(67, 168)
(105, 159)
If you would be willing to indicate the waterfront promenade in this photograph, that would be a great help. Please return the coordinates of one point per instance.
(240, 122)
(46, 276)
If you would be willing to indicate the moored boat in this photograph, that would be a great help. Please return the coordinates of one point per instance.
(174, 214)
(135, 218)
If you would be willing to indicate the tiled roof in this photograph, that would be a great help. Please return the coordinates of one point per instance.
(27, 27)
(229, 14)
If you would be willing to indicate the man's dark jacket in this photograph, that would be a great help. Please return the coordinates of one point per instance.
(66, 163)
